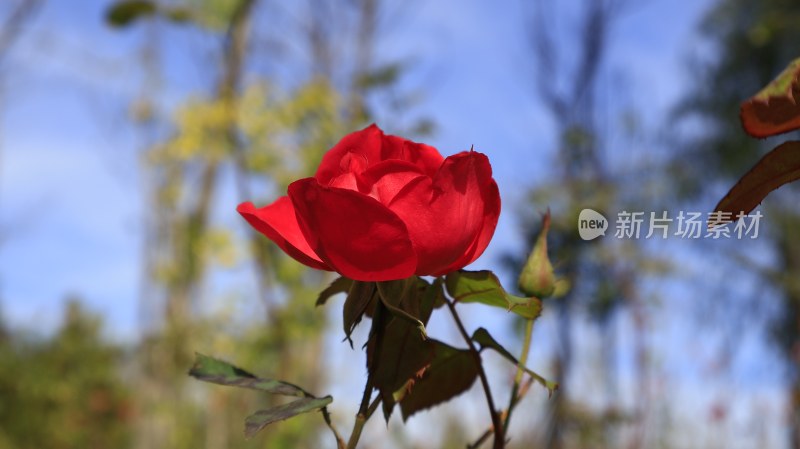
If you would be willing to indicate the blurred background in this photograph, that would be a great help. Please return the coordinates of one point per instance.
(130, 130)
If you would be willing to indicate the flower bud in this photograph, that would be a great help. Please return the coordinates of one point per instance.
(537, 278)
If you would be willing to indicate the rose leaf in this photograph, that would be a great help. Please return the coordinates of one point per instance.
(451, 372)
(774, 110)
(484, 287)
(485, 340)
(260, 419)
(776, 168)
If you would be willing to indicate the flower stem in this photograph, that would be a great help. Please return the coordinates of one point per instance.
(523, 360)
(497, 423)
(366, 409)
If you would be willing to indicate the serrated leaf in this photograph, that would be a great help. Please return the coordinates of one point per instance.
(484, 287)
(776, 168)
(340, 285)
(123, 13)
(358, 299)
(775, 109)
(209, 369)
(260, 419)
(431, 297)
(485, 340)
(451, 372)
(403, 354)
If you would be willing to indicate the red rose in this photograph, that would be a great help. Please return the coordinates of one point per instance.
(382, 207)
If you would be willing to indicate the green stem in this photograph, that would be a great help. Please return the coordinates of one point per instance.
(366, 410)
(497, 423)
(356, 433)
(523, 360)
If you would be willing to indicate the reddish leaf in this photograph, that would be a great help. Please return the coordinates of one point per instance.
(778, 167)
(774, 110)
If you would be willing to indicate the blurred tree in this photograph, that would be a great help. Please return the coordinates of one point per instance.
(750, 42)
(253, 128)
(571, 75)
(64, 391)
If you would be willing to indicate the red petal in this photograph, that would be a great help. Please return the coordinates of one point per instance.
(278, 222)
(373, 147)
(426, 157)
(491, 213)
(451, 218)
(352, 232)
(387, 178)
(366, 143)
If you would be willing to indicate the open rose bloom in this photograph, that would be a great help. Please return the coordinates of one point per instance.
(381, 208)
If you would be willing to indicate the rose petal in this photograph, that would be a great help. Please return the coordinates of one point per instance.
(452, 217)
(352, 232)
(423, 156)
(278, 222)
(370, 146)
(387, 178)
(491, 213)
(365, 143)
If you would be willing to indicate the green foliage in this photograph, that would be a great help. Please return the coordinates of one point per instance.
(260, 419)
(484, 287)
(209, 369)
(64, 391)
(126, 12)
(212, 370)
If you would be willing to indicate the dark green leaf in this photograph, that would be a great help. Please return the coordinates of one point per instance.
(403, 315)
(260, 419)
(209, 369)
(432, 297)
(485, 340)
(358, 299)
(484, 287)
(402, 356)
(451, 372)
(340, 285)
(125, 12)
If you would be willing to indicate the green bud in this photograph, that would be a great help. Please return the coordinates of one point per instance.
(537, 278)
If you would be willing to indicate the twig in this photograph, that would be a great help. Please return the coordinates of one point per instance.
(497, 424)
(523, 360)
(503, 414)
(327, 417)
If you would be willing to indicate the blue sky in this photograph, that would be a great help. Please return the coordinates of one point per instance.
(71, 199)
(70, 196)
